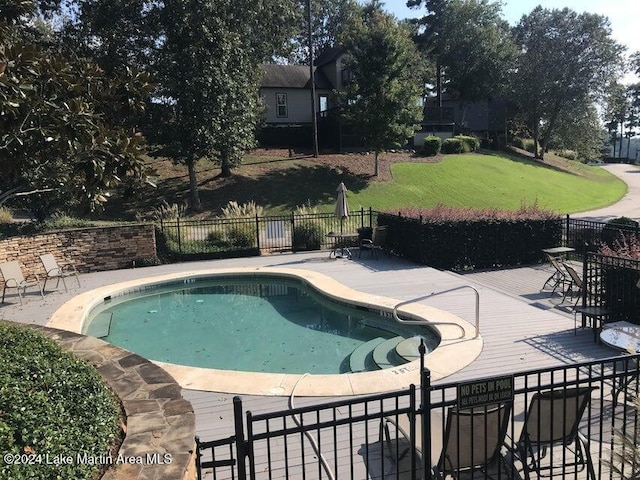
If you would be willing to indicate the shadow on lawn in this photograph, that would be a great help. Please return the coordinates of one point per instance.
(284, 189)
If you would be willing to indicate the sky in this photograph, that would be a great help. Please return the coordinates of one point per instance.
(623, 14)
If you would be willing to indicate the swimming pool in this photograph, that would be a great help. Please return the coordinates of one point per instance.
(258, 324)
(458, 345)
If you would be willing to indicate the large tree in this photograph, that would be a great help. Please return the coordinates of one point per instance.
(328, 20)
(471, 43)
(566, 59)
(205, 57)
(382, 100)
(59, 136)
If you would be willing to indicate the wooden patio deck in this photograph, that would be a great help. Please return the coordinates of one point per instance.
(522, 330)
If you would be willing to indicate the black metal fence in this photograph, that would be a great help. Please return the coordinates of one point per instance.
(612, 283)
(232, 237)
(588, 236)
(564, 422)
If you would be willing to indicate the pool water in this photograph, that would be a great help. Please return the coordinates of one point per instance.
(253, 324)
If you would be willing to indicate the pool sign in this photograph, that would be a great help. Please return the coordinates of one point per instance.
(485, 392)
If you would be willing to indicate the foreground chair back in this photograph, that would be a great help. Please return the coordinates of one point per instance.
(14, 278)
(473, 440)
(552, 420)
(56, 271)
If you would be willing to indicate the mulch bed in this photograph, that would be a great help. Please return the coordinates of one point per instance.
(354, 163)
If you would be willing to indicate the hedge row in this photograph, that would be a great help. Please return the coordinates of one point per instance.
(51, 403)
(458, 144)
(467, 244)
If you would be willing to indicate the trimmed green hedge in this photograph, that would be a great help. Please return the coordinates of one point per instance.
(469, 143)
(452, 145)
(467, 244)
(431, 145)
(51, 403)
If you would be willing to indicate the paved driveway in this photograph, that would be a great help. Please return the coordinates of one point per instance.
(629, 205)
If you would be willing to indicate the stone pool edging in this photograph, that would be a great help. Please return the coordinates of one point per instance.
(454, 352)
(159, 420)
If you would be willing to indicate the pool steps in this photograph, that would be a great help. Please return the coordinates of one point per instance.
(381, 353)
(385, 356)
(361, 359)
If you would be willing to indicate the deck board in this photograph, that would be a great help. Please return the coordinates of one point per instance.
(521, 328)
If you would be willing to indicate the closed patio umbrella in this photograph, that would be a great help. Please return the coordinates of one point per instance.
(342, 207)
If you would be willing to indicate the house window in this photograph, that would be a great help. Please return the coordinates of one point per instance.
(323, 103)
(347, 76)
(281, 105)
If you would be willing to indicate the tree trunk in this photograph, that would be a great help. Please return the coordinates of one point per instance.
(225, 169)
(194, 196)
(536, 137)
(376, 168)
(621, 138)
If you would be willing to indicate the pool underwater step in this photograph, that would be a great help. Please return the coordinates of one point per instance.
(361, 359)
(385, 356)
(408, 348)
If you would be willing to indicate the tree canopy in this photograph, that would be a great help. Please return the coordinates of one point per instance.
(382, 101)
(60, 138)
(204, 56)
(566, 58)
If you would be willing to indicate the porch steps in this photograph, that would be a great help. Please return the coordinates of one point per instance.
(361, 359)
(385, 356)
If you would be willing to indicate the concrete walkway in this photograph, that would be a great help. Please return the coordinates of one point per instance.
(629, 205)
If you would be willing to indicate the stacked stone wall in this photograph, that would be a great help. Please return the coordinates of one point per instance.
(88, 249)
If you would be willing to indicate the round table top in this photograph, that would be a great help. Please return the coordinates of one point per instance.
(622, 338)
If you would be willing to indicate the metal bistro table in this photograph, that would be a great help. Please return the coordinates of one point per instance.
(625, 337)
(343, 243)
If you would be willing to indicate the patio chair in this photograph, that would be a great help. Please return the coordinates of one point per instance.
(376, 243)
(552, 420)
(58, 272)
(473, 440)
(576, 282)
(14, 278)
(558, 279)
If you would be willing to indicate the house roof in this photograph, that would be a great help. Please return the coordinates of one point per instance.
(292, 76)
(328, 55)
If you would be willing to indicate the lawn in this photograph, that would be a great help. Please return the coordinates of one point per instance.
(280, 184)
(491, 181)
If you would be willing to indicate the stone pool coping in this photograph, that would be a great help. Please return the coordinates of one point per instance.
(159, 420)
(454, 352)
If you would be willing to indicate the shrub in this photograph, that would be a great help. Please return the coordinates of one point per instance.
(462, 239)
(234, 210)
(469, 143)
(169, 212)
(529, 145)
(60, 221)
(68, 410)
(517, 142)
(431, 146)
(452, 145)
(568, 154)
(618, 232)
(307, 235)
(243, 233)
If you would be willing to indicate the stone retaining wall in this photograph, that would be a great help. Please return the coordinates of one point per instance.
(159, 421)
(88, 249)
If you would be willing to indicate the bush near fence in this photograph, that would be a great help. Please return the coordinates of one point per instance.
(467, 243)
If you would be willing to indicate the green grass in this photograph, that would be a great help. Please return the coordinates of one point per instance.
(491, 181)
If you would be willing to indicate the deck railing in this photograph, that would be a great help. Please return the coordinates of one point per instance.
(358, 438)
